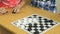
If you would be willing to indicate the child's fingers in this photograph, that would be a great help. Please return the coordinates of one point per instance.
(21, 4)
(16, 10)
(3, 11)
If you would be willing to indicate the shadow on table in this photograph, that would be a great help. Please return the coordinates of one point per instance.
(3, 30)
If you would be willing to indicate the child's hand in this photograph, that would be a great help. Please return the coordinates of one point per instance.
(17, 9)
(3, 11)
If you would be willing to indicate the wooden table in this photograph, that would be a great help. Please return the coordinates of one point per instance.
(5, 20)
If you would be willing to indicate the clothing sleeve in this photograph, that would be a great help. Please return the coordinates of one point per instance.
(10, 3)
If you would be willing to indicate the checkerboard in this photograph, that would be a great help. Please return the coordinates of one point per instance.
(35, 24)
(49, 5)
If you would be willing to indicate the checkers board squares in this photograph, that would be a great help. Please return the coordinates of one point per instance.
(35, 24)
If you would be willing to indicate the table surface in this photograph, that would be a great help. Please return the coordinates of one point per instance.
(5, 20)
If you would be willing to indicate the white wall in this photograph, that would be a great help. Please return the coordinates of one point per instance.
(58, 6)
